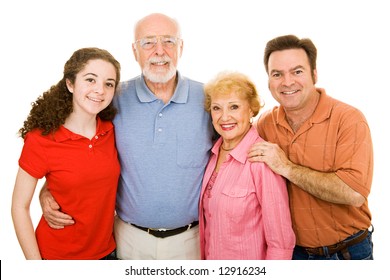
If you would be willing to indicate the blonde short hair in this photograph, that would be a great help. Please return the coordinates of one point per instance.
(227, 82)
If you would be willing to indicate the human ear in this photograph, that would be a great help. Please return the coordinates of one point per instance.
(69, 85)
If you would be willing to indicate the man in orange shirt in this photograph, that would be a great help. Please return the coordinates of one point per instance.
(324, 148)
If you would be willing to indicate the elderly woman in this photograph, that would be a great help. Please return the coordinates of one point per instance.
(244, 211)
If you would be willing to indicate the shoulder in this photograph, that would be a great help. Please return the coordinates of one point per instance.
(269, 113)
(35, 134)
(268, 117)
(36, 138)
(193, 84)
(346, 112)
(124, 90)
(126, 85)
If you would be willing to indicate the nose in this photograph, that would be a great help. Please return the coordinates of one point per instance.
(225, 115)
(99, 88)
(288, 80)
(159, 48)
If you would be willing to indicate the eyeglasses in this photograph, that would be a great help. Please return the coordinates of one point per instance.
(166, 41)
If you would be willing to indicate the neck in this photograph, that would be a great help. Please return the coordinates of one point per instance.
(296, 118)
(163, 91)
(228, 145)
(82, 125)
(226, 149)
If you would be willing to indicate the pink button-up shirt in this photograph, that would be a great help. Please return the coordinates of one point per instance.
(244, 210)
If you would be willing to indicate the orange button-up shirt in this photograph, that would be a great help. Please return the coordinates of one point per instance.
(336, 138)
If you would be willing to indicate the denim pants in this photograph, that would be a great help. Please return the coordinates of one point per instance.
(111, 256)
(360, 251)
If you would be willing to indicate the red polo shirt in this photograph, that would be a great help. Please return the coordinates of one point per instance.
(82, 175)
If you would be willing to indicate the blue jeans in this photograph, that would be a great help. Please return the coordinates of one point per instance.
(360, 251)
(111, 256)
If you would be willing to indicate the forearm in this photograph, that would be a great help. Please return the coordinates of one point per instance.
(21, 199)
(324, 185)
(25, 233)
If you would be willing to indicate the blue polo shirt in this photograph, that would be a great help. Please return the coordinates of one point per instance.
(163, 151)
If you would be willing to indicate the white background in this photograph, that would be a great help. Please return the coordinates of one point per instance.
(37, 37)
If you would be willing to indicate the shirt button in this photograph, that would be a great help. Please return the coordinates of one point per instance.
(160, 129)
(160, 115)
(90, 146)
(96, 137)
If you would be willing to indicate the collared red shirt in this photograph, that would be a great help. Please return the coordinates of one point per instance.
(245, 215)
(336, 138)
(82, 175)
(163, 151)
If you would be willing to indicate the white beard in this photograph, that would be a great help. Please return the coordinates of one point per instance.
(160, 76)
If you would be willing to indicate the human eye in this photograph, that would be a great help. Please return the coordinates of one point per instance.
(276, 75)
(214, 108)
(234, 107)
(298, 72)
(169, 41)
(147, 42)
(91, 80)
(110, 84)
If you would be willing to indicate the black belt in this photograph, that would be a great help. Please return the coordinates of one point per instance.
(162, 233)
(341, 246)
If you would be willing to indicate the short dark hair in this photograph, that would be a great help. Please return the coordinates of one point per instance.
(288, 42)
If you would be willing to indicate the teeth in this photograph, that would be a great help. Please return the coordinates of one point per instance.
(227, 125)
(289, 92)
(94, 99)
(159, 63)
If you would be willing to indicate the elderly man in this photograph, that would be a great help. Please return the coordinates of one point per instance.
(163, 136)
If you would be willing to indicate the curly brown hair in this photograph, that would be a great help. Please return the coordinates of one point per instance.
(52, 108)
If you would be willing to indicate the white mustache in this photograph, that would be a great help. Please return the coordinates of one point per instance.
(163, 59)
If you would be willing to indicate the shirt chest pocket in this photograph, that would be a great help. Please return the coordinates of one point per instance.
(193, 151)
(235, 201)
